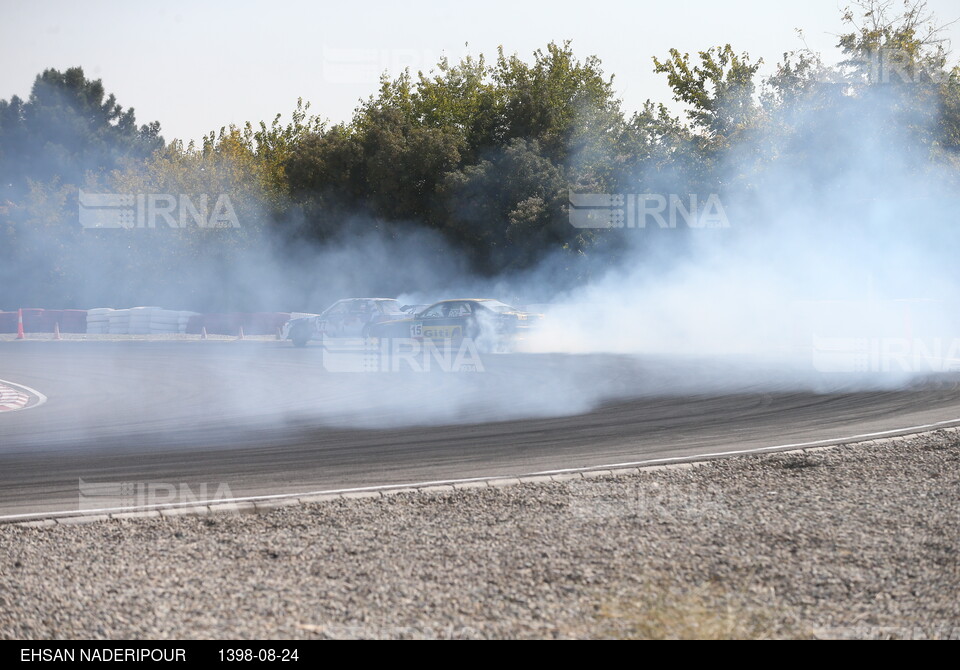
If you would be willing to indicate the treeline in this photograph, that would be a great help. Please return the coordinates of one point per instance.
(483, 152)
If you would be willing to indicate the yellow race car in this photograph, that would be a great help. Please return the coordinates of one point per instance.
(489, 322)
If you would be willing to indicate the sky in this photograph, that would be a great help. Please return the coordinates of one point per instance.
(197, 66)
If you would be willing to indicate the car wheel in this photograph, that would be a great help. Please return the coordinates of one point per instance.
(299, 336)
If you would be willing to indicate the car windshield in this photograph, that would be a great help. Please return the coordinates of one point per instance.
(338, 308)
(434, 311)
(364, 306)
(498, 306)
(390, 307)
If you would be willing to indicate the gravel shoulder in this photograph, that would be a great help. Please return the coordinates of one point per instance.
(852, 542)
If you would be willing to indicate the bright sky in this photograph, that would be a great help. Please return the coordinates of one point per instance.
(196, 66)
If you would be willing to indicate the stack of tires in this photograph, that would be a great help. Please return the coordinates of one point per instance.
(137, 321)
(141, 320)
(164, 322)
(98, 320)
(119, 322)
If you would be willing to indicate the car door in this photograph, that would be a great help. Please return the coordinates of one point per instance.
(448, 323)
(331, 323)
(356, 317)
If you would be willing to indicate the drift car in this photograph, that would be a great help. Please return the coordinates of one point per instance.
(491, 322)
(345, 318)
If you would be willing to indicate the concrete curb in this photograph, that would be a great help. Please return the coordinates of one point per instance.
(264, 504)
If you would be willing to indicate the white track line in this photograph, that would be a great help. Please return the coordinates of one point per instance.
(865, 437)
(29, 391)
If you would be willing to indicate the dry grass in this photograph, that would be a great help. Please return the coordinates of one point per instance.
(704, 613)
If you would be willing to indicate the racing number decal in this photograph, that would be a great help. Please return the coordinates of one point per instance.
(416, 329)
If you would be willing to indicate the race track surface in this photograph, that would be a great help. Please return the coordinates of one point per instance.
(266, 418)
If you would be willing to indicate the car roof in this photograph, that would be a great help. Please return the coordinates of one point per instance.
(362, 300)
(343, 300)
(371, 299)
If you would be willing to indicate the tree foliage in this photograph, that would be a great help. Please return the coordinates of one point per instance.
(485, 151)
(67, 127)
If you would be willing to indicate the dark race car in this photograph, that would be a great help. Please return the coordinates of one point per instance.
(345, 318)
(493, 324)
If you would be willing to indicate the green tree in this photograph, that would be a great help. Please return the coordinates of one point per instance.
(719, 92)
(507, 210)
(273, 145)
(566, 105)
(656, 153)
(67, 127)
(898, 61)
(464, 99)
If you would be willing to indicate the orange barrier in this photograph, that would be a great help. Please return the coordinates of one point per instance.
(33, 320)
(259, 323)
(73, 321)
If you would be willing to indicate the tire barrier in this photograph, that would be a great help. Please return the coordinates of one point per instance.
(137, 321)
(98, 321)
(142, 321)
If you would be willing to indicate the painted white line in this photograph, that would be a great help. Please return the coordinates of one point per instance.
(799, 446)
(39, 396)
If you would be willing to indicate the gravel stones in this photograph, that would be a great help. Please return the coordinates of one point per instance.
(853, 542)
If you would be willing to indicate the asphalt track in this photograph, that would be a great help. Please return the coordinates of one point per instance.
(267, 418)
